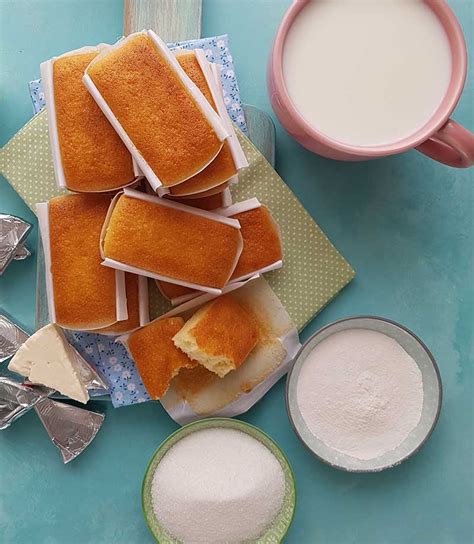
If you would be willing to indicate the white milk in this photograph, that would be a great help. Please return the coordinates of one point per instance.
(367, 72)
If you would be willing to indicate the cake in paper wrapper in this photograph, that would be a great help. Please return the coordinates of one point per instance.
(231, 158)
(82, 294)
(216, 50)
(88, 155)
(196, 392)
(171, 140)
(261, 252)
(164, 240)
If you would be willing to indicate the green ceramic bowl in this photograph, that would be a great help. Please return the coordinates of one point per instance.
(282, 522)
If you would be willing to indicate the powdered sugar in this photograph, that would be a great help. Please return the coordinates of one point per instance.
(217, 486)
(360, 393)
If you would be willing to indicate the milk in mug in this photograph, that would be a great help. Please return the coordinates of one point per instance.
(366, 72)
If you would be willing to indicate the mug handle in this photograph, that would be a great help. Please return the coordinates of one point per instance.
(452, 145)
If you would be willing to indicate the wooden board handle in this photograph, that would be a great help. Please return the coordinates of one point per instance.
(172, 20)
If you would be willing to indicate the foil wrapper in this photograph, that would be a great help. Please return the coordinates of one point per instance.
(22, 253)
(70, 428)
(13, 232)
(16, 399)
(11, 338)
(88, 375)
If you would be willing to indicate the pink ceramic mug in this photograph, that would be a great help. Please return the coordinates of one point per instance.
(441, 138)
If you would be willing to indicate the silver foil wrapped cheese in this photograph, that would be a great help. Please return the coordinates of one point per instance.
(70, 428)
(13, 232)
(11, 337)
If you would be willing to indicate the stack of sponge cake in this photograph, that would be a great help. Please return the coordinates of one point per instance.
(142, 141)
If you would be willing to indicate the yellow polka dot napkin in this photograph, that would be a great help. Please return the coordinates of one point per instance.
(313, 270)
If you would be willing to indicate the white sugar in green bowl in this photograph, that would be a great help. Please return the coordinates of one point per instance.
(218, 480)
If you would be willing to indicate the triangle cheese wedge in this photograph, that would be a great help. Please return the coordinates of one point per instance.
(47, 358)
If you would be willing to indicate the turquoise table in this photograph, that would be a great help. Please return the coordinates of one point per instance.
(404, 223)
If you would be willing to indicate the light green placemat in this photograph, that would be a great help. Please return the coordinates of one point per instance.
(313, 270)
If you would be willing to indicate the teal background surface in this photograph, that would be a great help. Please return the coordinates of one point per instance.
(406, 225)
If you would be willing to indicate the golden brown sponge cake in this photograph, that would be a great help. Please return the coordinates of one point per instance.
(172, 241)
(155, 109)
(157, 359)
(222, 167)
(84, 290)
(219, 336)
(93, 157)
(262, 245)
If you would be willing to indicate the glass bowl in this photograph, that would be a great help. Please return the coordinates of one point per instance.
(278, 529)
(432, 396)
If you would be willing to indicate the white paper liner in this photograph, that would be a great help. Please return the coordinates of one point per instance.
(285, 337)
(46, 70)
(120, 294)
(211, 74)
(169, 204)
(238, 154)
(213, 118)
(143, 309)
(245, 206)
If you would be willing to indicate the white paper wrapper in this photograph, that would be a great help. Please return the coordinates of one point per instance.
(213, 118)
(169, 204)
(211, 73)
(269, 361)
(245, 206)
(120, 293)
(46, 69)
(143, 309)
(238, 154)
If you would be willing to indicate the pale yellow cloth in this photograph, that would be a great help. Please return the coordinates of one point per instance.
(313, 271)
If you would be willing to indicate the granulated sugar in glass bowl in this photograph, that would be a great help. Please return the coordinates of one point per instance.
(364, 394)
(218, 480)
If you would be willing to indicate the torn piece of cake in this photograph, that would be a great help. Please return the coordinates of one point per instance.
(222, 167)
(220, 335)
(262, 244)
(84, 292)
(88, 155)
(157, 359)
(171, 242)
(167, 124)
